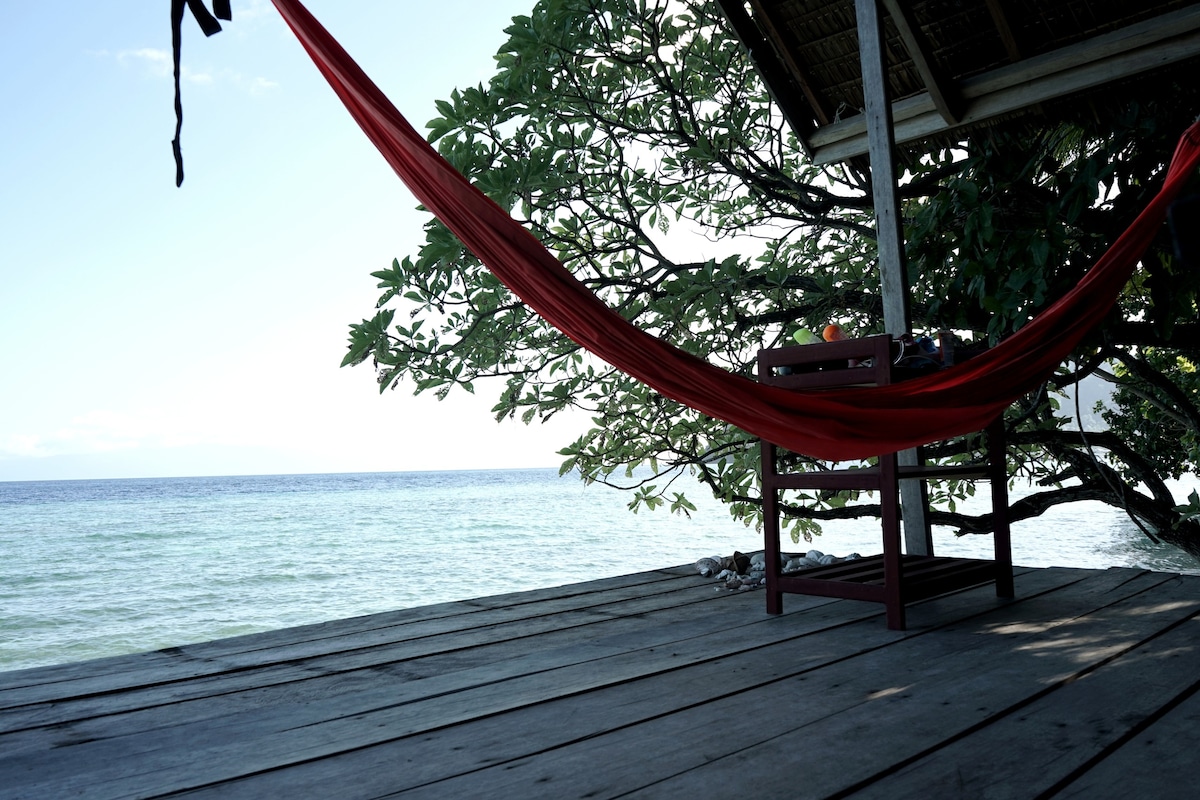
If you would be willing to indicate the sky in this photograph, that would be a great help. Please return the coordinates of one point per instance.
(151, 331)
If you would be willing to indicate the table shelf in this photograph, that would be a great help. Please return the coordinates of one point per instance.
(892, 577)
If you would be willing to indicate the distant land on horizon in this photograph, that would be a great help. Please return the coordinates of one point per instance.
(204, 461)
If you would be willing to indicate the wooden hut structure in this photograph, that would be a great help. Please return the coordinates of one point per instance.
(857, 77)
(954, 64)
(874, 78)
(853, 80)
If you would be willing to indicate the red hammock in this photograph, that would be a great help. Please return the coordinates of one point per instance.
(837, 424)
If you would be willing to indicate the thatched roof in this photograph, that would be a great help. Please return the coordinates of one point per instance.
(954, 64)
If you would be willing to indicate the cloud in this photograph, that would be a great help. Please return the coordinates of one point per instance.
(254, 86)
(23, 445)
(256, 10)
(159, 63)
(101, 431)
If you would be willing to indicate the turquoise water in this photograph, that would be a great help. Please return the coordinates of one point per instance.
(97, 568)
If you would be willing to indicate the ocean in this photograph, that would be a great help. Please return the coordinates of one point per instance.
(96, 568)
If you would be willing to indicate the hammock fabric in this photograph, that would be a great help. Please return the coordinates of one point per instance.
(835, 425)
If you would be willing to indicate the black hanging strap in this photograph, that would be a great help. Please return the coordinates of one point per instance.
(208, 23)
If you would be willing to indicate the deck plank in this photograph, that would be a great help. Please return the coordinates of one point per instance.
(400, 657)
(192, 661)
(833, 702)
(397, 673)
(925, 701)
(326, 728)
(337, 627)
(1159, 761)
(329, 726)
(442, 753)
(1036, 747)
(654, 684)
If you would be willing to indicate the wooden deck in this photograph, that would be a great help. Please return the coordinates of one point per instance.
(652, 685)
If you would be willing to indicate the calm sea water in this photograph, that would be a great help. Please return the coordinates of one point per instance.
(98, 568)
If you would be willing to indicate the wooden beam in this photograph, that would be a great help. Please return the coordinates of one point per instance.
(888, 234)
(779, 83)
(1154, 43)
(793, 67)
(1000, 20)
(889, 238)
(941, 89)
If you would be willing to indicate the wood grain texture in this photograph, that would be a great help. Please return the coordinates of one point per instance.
(655, 685)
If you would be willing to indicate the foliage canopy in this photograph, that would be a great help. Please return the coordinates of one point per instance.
(635, 140)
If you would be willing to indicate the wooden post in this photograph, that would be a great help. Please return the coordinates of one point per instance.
(918, 539)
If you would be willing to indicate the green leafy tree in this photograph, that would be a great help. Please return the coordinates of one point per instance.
(635, 140)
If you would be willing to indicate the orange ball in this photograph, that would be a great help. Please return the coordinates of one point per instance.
(834, 333)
